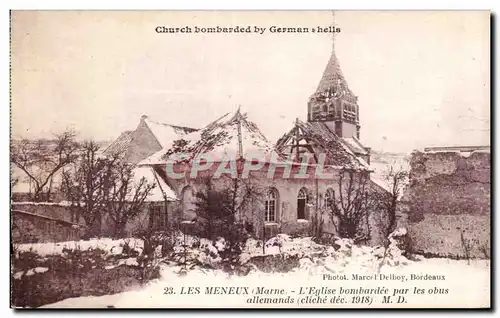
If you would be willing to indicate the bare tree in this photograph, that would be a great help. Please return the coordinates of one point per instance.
(127, 196)
(221, 208)
(317, 224)
(397, 179)
(101, 184)
(41, 159)
(214, 208)
(351, 205)
(226, 200)
(88, 186)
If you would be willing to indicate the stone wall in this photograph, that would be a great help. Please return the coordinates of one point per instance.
(448, 200)
(54, 222)
(32, 228)
(53, 210)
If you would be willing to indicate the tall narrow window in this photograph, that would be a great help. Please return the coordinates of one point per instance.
(188, 203)
(271, 204)
(301, 204)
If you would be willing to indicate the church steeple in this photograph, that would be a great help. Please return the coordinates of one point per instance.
(333, 102)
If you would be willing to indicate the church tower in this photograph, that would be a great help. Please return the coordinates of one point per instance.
(333, 102)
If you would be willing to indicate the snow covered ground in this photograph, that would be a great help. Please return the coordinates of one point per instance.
(467, 286)
(444, 282)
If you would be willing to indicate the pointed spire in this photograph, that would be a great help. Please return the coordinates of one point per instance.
(333, 79)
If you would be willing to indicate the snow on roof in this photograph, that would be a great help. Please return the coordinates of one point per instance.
(224, 138)
(386, 185)
(321, 140)
(355, 145)
(161, 188)
(381, 183)
(165, 133)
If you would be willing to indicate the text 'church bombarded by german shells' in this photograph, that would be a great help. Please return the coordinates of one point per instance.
(247, 29)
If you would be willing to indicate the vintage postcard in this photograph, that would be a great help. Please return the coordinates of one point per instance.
(250, 159)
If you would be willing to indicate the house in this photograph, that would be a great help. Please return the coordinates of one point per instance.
(133, 146)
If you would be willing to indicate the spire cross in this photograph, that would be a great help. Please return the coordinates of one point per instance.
(333, 29)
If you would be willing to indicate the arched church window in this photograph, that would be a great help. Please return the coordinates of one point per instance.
(302, 199)
(271, 205)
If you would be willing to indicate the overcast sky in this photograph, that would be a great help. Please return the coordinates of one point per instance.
(422, 78)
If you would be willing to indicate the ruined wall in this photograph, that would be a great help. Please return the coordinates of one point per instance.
(448, 200)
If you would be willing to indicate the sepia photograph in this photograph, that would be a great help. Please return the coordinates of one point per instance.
(250, 159)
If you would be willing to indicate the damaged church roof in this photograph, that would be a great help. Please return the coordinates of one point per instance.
(227, 137)
(317, 138)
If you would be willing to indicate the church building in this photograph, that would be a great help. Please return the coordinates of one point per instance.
(329, 137)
